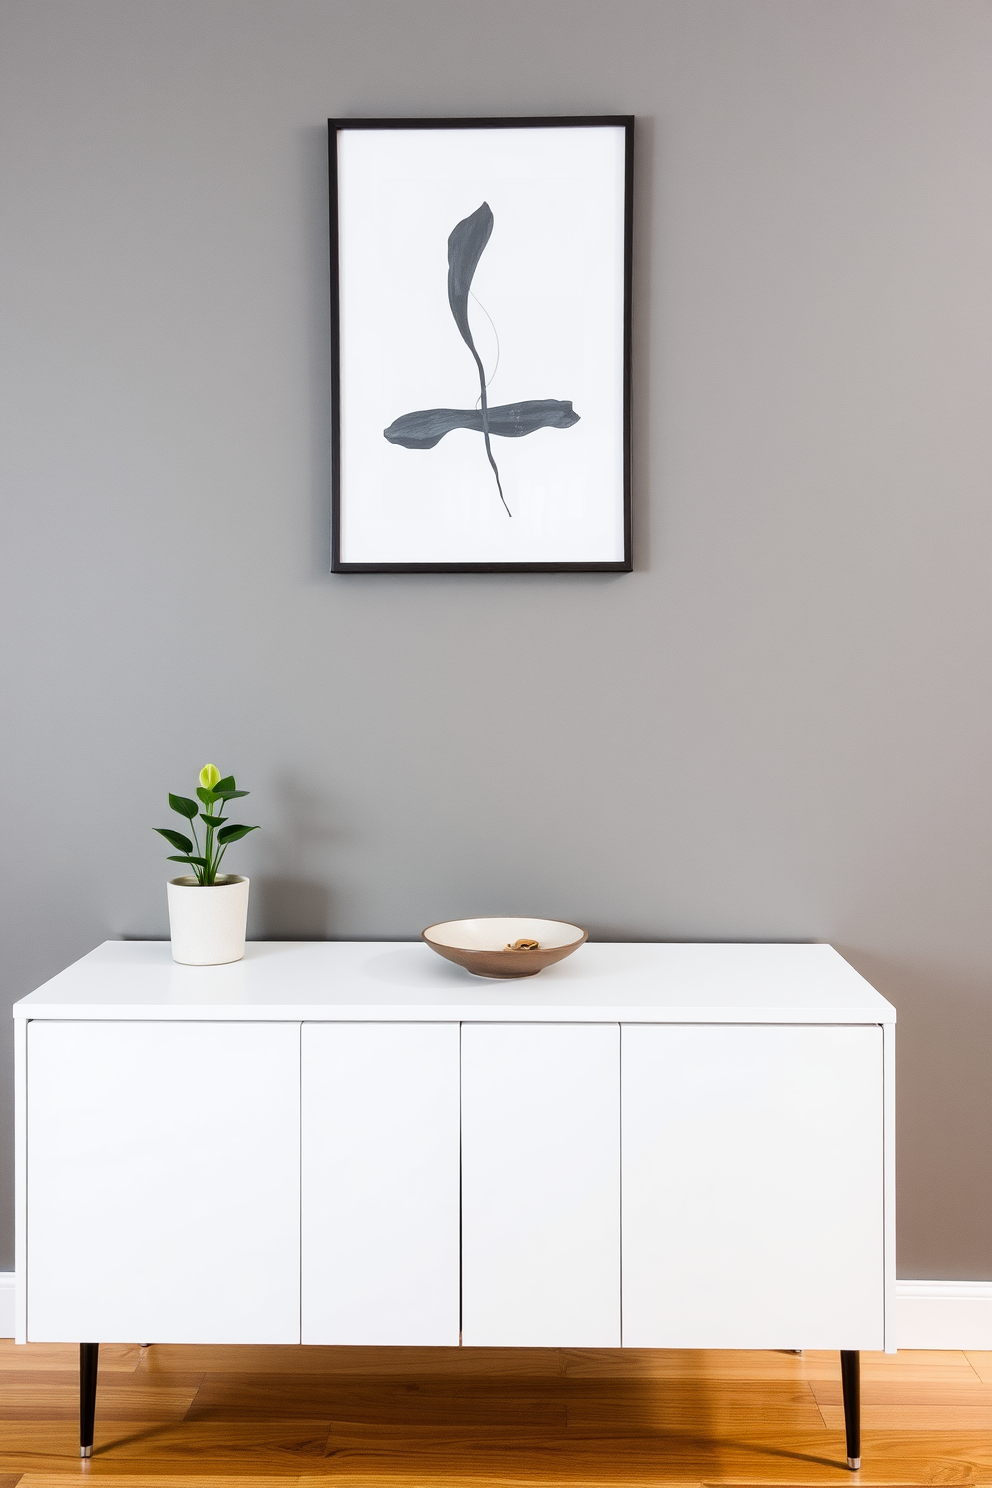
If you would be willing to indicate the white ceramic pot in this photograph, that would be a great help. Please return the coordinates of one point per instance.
(208, 924)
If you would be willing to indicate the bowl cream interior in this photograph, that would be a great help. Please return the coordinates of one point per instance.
(497, 933)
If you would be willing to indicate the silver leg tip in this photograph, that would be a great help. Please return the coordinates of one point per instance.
(854, 1463)
(88, 1452)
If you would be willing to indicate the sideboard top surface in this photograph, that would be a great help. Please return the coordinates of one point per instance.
(405, 981)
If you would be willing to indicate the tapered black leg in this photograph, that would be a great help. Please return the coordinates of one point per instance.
(89, 1354)
(850, 1374)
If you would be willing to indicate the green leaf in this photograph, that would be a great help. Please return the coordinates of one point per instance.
(212, 821)
(224, 785)
(183, 805)
(229, 795)
(232, 834)
(200, 862)
(175, 839)
(206, 796)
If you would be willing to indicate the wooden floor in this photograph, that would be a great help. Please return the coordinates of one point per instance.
(300, 1417)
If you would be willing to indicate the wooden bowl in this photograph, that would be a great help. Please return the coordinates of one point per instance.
(482, 946)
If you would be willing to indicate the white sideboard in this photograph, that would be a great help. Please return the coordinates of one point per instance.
(671, 1146)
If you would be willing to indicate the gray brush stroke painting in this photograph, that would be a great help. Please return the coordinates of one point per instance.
(425, 429)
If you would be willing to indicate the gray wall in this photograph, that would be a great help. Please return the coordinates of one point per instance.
(778, 727)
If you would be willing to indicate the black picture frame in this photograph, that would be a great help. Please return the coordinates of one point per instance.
(343, 556)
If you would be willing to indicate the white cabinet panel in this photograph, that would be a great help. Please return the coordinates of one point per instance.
(163, 1185)
(380, 1183)
(752, 1186)
(541, 1185)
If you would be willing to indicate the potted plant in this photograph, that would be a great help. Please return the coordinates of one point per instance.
(208, 910)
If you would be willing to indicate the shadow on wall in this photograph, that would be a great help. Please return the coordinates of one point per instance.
(942, 1040)
(289, 909)
(290, 901)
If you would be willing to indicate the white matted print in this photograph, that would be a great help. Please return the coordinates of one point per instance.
(480, 288)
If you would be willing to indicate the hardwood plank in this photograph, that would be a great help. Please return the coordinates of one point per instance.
(731, 1393)
(981, 1362)
(115, 1358)
(265, 1446)
(419, 1399)
(686, 1364)
(923, 1394)
(592, 1457)
(329, 1359)
(724, 1364)
(709, 1418)
(35, 1396)
(156, 1480)
(374, 1476)
(910, 1363)
(906, 1417)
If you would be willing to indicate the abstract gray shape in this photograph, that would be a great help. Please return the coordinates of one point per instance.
(465, 247)
(427, 428)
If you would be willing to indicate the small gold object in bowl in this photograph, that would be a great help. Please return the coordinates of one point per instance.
(504, 945)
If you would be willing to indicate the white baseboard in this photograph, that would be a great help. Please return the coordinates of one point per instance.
(944, 1314)
(929, 1314)
(6, 1304)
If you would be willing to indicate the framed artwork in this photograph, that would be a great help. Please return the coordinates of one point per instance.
(480, 360)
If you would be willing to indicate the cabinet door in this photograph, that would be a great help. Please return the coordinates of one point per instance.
(380, 1183)
(752, 1187)
(163, 1182)
(541, 1184)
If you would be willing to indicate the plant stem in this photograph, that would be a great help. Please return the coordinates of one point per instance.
(197, 870)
